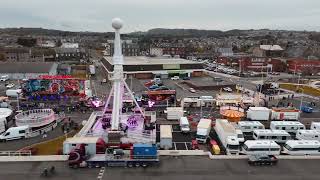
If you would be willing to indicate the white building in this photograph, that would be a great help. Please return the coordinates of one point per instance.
(156, 52)
(70, 45)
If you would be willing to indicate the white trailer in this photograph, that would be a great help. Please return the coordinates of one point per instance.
(279, 136)
(252, 147)
(308, 134)
(174, 113)
(92, 69)
(315, 126)
(13, 92)
(227, 135)
(302, 147)
(258, 113)
(285, 114)
(249, 126)
(203, 130)
(165, 137)
(289, 126)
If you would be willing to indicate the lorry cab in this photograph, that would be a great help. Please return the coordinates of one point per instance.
(15, 133)
(233, 145)
(184, 125)
(240, 135)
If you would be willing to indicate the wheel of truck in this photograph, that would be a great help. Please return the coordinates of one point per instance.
(137, 164)
(130, 165)
(144, 165)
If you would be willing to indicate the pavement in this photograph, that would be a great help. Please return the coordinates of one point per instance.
(187, 168)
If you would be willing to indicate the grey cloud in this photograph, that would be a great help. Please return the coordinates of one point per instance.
(95, 15)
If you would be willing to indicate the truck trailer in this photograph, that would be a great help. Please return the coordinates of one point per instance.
(290, 114)
(138, 155)
(258, 113)
(228, 136)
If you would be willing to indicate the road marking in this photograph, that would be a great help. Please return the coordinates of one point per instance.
(101, 173)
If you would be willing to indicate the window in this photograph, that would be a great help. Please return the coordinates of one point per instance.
(22, 131)
(277, 127)
(284, 137)
(7, 134)
(301, 127)
(262, 137)
(273, 137)
(283, 128)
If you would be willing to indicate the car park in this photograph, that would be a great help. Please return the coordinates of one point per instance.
(262, 159)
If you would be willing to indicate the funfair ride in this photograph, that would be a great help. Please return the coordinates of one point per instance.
(119, 121)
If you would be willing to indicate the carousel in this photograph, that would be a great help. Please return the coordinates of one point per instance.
(231, 113)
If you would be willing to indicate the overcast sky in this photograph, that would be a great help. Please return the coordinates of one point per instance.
(96, 15)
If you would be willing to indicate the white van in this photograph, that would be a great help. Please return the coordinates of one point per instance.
(15, 133)
(268, 147)
(4, 78)
(184, 125)
(250, 126)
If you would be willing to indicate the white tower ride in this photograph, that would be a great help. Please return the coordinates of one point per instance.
(117, 75)
(118, 79)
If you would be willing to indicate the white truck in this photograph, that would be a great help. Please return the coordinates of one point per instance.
(228, 136)
(184, 125)
(4, 78)
(258, 113)
(92, 69)
(166, 137)
(13, 92)
(203, 130)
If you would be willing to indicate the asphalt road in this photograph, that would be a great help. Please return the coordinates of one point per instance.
(187, 168)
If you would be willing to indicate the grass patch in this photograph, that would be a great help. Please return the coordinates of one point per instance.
(301, 88)
(50, 147)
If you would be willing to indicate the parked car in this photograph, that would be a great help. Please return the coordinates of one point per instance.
(186, 78)
(228, 89)
(11, 85)
(175, 78)
(192, 90)
(262, 159)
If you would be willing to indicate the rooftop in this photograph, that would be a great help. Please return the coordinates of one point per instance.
(26, 67)
(143, 60)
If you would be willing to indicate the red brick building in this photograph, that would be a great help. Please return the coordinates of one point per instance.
(181, 51)
(303, 66)
(254, 64)
(278, 65)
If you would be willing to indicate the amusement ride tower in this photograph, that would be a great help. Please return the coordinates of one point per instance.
(119, 84)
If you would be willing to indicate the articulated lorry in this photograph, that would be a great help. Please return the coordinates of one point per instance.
(228, 136)
(96, 153)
